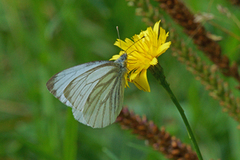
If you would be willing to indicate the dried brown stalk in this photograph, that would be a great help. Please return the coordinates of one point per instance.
(181, 14)
(159, 139)
(218, 88)
(235, 2)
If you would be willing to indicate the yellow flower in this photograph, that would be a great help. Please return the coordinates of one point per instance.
(142, 52)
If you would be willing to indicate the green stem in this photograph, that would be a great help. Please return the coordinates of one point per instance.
(157, 72)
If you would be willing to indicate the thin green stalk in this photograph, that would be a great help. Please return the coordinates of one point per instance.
(157, 72)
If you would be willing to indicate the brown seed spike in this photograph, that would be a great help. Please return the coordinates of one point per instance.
(182, 15)
(159, 139)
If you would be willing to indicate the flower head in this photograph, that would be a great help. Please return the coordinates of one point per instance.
(142, 52)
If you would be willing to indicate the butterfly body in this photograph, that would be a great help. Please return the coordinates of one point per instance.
(94, 90)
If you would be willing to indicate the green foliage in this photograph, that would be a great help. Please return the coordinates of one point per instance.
(41, 38)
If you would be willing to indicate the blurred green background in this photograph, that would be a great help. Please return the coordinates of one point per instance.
(41, 38)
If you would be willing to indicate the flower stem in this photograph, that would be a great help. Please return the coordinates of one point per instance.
(157, 72)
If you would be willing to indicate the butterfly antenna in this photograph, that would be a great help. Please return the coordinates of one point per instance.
(134, 44)
(130, 45)
(118, 35)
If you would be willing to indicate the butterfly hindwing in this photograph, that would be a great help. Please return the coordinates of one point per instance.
(94, 97)
(104, 103)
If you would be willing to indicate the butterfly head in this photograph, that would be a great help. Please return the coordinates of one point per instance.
(122, 60)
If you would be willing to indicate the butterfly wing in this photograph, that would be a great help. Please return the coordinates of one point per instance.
(94, 90)
(58, 83)
(101, 95)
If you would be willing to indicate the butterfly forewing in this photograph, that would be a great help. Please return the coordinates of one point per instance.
(94, 91)
(58, 83)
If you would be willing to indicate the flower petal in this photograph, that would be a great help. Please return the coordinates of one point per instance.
(156, 27)
(154, 61)
(163, 48)
(114, 57)
(141, 81)
(133, 76)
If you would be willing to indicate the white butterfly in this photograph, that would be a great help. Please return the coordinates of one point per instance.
(94, 90)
